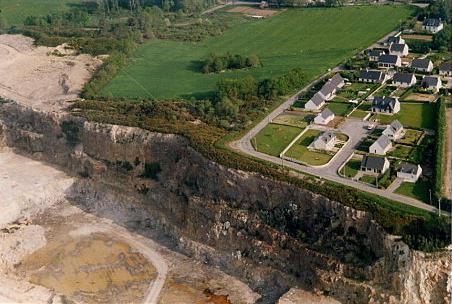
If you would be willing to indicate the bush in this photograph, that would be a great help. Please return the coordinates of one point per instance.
(440, 148)
(217, 63)
(151, 170)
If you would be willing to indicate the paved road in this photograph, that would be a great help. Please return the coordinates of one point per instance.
(354, 128)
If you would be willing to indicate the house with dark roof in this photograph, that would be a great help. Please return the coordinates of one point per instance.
(332, 86)
(398, 49)
(432, 25)
(403, 80)
(431, 83)
(375, 54)
(381, 145)
(372, 76)
(387, 105)
(374, 164)
(325, 141)
(324, 117)
(395, 130)
(389, 61)
(409, 172)
(445, 69)
(315, 103)
(394, 39)
(422, 65)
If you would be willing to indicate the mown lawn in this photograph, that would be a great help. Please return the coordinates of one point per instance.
(358, 114)
(418, 190)
(340, 108)
(300, 121)
(274, 138)
(351, 168)
(169, 69)
(413, 115)
(15, 11)
(299, 150)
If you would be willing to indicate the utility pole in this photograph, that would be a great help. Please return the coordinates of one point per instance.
(439, 206)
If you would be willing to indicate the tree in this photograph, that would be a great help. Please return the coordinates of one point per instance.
(442, 40)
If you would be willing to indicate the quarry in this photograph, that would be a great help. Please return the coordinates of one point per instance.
(82, 220)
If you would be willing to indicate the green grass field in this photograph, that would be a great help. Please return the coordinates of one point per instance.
(358, 114)
(340, 108)
(168, 69)
(15, 11)
(300, 121)
(414, 115)
(418, 190)
(351, 168)
(274, 138)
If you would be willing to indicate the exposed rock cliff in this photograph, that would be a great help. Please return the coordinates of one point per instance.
(229, 218)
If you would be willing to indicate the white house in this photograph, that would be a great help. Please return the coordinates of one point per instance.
(375, 54)
(372, 76)
(374, 164)
(432, 25)
(398, 49)
(431, 83)
(394, 39)
(315, 103)
(445, 69)
(422, 65)
(395, 130)
(404, 80)
(389, 61)
(381, 145)
(409, 172)
(387, 105)
(324, 117)
(326, 141)
(332, 86)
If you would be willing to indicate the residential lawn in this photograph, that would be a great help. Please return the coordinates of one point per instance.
(401, 151)
(300, 150)
(365, 106)
(368, 179)
(351, 91)
(358, 114)
(170, 69)
(351, 168)
(340, 108)
(414, 115)
(418, 190)
(376, 132)
(15, 11)
(411, 137)
(384, 91)
(300, 121)
(274, 138)
(365, 144)
(300, 103)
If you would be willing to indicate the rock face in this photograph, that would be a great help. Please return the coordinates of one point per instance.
(244, 223)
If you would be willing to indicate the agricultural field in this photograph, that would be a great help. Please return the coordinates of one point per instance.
(15, 11)
(169, 69)
(274, 138)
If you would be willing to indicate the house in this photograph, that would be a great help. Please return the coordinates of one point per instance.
(375, 54)
(381, 145)
(404, 80)
(394, 39)
(374, 164)
(372, 76)
(332, 86)
(387, 105)
(324, 117)
(315, 103)
(422, 65)
(409, 172)
(389, 61)
(398, 49)
(431, 83)
(432, 25)
(395, 130)
(445, 69)
(326, 141)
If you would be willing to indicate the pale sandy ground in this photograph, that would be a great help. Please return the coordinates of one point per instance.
(35, 77)
(299, 296)
(33, 191)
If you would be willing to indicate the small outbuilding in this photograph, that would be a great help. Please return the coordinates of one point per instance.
(374, 164)
(445, 69)
(324, 117)
(381, 145)
(409, 172)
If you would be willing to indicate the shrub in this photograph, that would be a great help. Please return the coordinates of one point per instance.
(151, 170)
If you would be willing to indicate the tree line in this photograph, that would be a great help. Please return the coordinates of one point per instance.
(216, 63)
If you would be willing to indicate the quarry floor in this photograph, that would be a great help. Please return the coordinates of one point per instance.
(51, 250)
